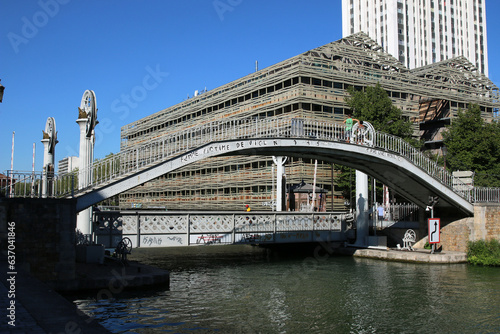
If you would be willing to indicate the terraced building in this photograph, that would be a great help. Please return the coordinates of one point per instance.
(311, 85)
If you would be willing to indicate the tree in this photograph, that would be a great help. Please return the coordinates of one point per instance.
(374, 106)
(472, 144)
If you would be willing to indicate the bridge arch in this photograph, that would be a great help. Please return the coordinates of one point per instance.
(394, 170)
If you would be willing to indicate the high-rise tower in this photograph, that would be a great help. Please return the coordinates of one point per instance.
(421, 32)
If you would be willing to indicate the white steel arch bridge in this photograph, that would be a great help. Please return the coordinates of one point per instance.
(387, 158)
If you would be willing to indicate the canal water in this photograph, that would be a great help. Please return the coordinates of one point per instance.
(245, 289)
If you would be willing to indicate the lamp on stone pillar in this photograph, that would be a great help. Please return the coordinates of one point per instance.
(87, 120)
(45, 142)
(49, 141)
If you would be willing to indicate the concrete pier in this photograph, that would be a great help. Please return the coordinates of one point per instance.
(416, 256)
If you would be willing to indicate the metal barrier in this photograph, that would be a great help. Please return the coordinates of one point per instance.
(403, 212)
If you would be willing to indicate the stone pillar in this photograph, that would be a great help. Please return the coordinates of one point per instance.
(280, 171)
(47, 157)
(87, 120)
(362, 220)
(83, 219)
(49, 141)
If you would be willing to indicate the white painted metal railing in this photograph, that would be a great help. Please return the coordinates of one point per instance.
(486, 195)
(22, 184)
(163, 229)
(133, 160)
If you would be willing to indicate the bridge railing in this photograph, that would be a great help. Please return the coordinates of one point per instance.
(397, 212)
(486, 195)
(402, 148)
(24, 184)
(153, 228)
(133, 160)
(136, 159)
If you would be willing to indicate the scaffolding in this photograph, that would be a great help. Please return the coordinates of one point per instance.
(312, 84)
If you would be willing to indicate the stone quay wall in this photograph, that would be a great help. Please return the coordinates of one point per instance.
(485, 225)
(44, 236)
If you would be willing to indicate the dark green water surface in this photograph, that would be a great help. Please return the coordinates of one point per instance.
(244, 289)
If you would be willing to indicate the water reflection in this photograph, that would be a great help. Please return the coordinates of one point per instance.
(250, 290)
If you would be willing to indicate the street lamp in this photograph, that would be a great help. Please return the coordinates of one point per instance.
(2, 88)
(433, 200)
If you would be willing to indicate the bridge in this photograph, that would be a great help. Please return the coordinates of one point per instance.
(389, 159)
(160, 228)
(166, 229)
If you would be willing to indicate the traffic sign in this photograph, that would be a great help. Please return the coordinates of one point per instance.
(434, 225)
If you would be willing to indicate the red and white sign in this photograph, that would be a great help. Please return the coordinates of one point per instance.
(434, 225)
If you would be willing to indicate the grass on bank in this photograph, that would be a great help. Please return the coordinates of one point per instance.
(484, 253)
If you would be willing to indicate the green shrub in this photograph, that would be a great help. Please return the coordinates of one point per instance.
(484, 253)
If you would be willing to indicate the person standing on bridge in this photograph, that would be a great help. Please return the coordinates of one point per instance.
(349, 122)
(360, 133)
(380, 211)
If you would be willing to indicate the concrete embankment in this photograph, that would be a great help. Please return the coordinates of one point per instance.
(418, 255)
(38, 308)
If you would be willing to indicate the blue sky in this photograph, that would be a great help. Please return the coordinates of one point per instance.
(140, 57)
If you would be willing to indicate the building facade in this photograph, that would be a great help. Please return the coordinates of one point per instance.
(422, 32)
(67, 164)
(310, 85)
